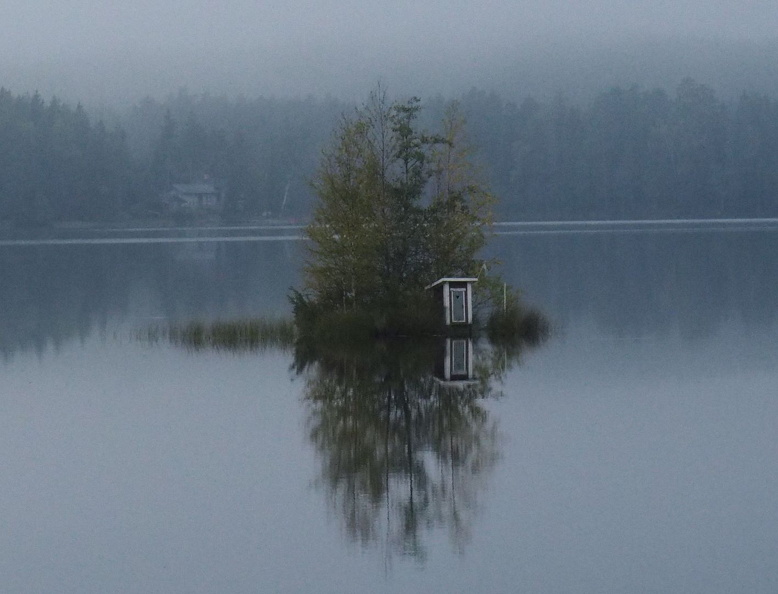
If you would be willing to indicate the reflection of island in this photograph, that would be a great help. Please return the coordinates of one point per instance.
(404, 450)
(405, 442)
(646, 284)
(634, 285)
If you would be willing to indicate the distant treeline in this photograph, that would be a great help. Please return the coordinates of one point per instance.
(263, 151)
(57, 165)
(630, 153)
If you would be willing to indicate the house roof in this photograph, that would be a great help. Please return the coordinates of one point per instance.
(452, 279)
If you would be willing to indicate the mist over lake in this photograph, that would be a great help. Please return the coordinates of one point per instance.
(223, 367)
(634, 450)
(107, 55)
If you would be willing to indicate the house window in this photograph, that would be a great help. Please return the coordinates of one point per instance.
(458, 306)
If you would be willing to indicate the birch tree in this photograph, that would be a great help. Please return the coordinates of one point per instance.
(397, 208)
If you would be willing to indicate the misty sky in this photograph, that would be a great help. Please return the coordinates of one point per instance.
(106, 47)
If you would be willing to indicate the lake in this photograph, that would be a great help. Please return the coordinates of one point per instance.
(636, 450)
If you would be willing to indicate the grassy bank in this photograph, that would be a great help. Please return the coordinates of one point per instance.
(237, 335)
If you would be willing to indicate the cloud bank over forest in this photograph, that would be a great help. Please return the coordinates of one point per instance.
(109, 52)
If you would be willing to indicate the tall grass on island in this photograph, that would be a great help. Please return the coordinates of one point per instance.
(511, 323)
(512, 326)
(316, 322)
(252, 334)
(517, 324)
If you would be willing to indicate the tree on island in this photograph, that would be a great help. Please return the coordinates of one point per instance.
(397, 209)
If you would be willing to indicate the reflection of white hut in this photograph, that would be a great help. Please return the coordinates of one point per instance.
(456, 296)
(454, 366)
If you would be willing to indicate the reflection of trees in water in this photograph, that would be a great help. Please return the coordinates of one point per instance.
(402, 453)
(51, 295)
(650, 283)
(631, 284)
(404, 440)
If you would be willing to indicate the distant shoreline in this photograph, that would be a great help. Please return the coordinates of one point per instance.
(277, 230)
(500, 227)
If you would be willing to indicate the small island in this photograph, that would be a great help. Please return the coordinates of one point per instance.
(401, 214)
(394, 247)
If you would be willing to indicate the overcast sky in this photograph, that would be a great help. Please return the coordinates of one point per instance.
(103, 45)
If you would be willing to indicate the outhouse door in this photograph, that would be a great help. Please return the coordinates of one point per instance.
(458, 306)
(460, 364)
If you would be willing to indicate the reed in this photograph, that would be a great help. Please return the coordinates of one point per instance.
(252, 334)
(517, 324)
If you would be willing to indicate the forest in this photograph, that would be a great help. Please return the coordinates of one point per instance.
(629, 153)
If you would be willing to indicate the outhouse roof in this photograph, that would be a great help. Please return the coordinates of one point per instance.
(452, 279)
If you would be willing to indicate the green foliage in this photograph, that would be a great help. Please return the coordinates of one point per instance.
(513, 325)
(318, 323)
(398, 208)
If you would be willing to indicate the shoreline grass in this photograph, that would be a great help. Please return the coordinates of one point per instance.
(513, 327)
(249, 334)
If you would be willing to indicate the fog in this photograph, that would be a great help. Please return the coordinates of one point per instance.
(111, 52)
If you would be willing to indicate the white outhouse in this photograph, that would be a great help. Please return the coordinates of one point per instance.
(456, 296)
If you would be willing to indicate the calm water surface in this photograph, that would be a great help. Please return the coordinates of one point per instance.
(635, 451)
